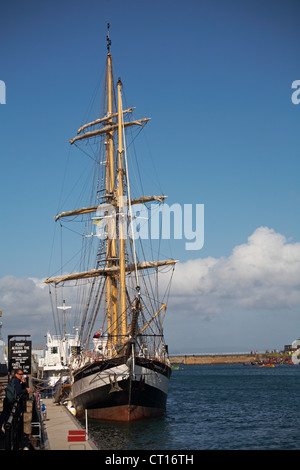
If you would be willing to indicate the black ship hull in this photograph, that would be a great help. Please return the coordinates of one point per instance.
(120, 390)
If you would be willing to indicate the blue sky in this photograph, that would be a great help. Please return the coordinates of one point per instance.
(215, 77)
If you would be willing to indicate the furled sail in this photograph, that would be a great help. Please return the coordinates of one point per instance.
(86, 210)
(100, 120)
(110, 270)
(108, 128)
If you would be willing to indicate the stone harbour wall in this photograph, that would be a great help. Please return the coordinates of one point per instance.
(217, 359)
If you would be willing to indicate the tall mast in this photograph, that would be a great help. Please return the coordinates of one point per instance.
(64, 308)
(111, 289)
(121, 208)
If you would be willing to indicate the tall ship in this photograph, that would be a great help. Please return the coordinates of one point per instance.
(122, 371)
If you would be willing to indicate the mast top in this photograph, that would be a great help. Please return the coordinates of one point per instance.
(107, 38)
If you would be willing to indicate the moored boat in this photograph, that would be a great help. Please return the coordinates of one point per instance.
(54, 366)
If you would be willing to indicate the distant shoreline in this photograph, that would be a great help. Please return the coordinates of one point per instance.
(225, 358)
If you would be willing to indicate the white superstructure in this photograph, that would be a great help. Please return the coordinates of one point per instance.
(56, 361)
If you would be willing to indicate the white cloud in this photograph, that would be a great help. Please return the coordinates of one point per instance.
(259, 278)
(263, 273)
(25, 305)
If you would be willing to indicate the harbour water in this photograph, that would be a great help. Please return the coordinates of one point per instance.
(217, 407)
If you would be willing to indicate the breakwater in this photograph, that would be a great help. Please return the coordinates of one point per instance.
(218, 358)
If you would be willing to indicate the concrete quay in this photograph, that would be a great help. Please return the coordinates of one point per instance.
(59, 421)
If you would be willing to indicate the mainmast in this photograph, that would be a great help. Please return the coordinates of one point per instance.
(111, 283)
(121, 209)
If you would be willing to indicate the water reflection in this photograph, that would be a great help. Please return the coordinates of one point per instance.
(141, 435)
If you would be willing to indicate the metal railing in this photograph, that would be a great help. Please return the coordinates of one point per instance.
(14, 426)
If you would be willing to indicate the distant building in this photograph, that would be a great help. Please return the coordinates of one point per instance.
(296, 344)
(295, 348)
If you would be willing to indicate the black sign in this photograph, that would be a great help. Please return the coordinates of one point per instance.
(19, 355)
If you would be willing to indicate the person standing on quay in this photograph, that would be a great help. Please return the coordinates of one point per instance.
(19, 382)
